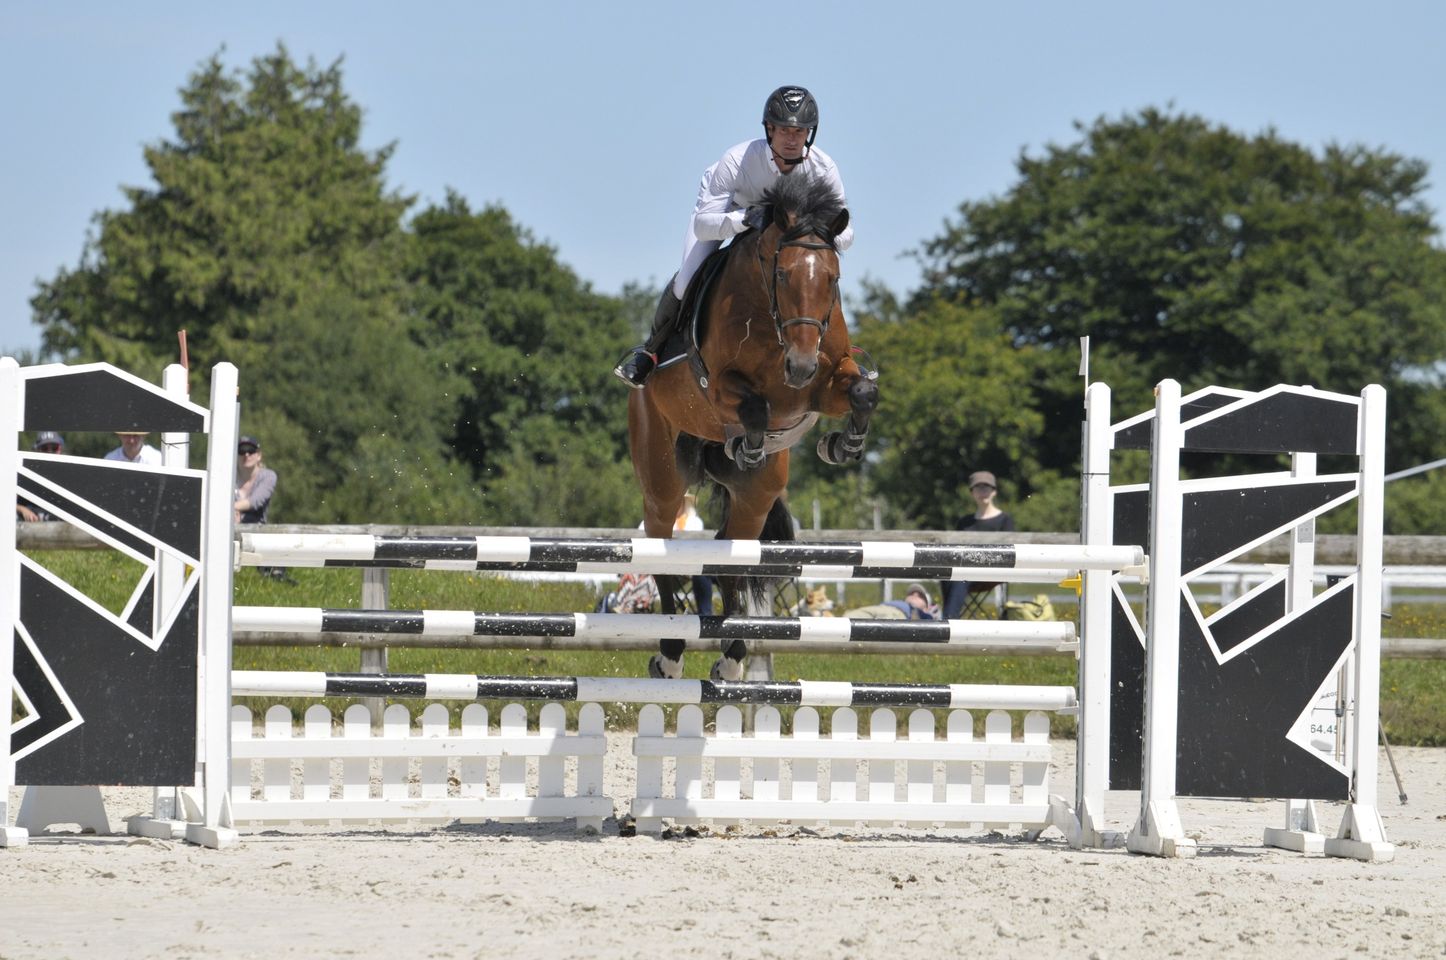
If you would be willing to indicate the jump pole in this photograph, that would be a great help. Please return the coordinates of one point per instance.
(468, 623)
(807, 693)
(860, 559)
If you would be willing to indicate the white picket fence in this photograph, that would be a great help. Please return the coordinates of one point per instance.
(428, 773)
(923, 781)
(433, 772)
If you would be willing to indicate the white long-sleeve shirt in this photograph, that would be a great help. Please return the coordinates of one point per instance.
(739, 180)
(729, 187)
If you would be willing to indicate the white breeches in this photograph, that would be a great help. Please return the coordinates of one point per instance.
(695, 251)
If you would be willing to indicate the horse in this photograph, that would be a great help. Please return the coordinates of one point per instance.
(772, 356)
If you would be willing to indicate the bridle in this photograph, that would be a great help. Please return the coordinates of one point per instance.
(770, 283)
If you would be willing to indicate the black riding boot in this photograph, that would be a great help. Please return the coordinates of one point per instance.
(634, 368)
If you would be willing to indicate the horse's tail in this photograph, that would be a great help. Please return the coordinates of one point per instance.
(779, 525)
(688, 455)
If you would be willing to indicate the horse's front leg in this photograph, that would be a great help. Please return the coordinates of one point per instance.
(847, 445)
(746, 449)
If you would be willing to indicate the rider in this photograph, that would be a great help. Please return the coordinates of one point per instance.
(727, 191)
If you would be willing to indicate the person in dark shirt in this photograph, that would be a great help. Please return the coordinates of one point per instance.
(987, 517)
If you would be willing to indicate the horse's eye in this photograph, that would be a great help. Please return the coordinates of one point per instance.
(781, 275)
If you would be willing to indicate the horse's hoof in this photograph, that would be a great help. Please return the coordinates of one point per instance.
(743, 457)
(835, 449)
(658, 671)
(723, 667)
(823, 451)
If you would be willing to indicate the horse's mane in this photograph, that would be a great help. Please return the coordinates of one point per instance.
(812, 202)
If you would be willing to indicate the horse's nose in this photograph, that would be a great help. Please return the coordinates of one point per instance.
(799, 370)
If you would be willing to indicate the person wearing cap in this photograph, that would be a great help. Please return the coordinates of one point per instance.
(255, 483)
(987, 517)
(728, 201)
(134, 449)
(916, 605)
(46, 441)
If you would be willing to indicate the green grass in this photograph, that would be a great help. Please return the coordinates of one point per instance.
(1413, 692)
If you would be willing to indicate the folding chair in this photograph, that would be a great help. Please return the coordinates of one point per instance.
(980, 594)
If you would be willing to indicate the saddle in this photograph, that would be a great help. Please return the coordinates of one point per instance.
(688, 332)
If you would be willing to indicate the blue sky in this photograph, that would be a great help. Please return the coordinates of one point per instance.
(591, 122)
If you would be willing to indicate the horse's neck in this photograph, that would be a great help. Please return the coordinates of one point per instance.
(743, 279)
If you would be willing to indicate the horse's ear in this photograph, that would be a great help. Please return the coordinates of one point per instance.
(840, 222)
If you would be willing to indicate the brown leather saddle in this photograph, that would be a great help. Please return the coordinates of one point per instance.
(688, 332)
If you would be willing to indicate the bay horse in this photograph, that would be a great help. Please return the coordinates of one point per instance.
(772, 356)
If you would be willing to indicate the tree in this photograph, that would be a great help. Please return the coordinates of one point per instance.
(1187, 250)
(270, 237)
(954, 397)
(538, 415)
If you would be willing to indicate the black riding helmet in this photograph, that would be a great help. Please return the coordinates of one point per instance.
(791, 107)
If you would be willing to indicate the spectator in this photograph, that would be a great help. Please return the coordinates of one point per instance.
(46, 441)
(134, 449)
(987, 517)
(915, 606)
(636, 593)
(255, 483)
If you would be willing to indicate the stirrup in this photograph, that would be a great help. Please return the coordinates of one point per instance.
(635, 368)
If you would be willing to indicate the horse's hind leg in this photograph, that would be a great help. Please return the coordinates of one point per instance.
(847, 445)
(652, 441)
(732, 650)
(752, 511)
(668, 661)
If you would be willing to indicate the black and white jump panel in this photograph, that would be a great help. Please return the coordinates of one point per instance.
(108, 697)
(1249, 673)
(1282, 419)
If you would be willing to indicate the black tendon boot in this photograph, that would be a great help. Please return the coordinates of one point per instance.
(634, 368)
